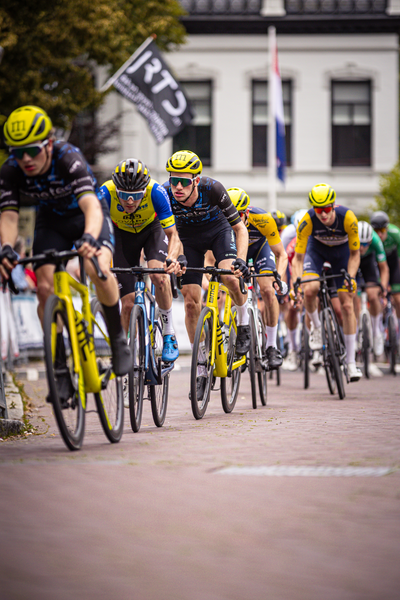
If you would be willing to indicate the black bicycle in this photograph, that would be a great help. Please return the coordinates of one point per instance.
(390, 329)
(333, 347)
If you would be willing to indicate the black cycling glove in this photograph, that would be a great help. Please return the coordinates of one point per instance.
(241, 265)
(89, 239)
(182, 261)
(8, 253)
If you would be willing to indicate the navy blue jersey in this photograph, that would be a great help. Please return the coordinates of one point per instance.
(213, 203)
(58, 190)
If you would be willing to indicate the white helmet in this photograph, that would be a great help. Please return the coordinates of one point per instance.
(298, 215)
(364, 232)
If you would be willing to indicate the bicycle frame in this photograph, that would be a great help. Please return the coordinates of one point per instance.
(252, 306)
(219, 354)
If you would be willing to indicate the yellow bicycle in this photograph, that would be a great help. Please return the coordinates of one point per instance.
(78, 355)
(214, 347)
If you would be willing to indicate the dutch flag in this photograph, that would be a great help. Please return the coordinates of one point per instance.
(279, 119)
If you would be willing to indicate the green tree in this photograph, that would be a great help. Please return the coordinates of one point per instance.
(51, 49)
(389, 196)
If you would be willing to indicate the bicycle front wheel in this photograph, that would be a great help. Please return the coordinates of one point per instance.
(230, 385)
(392, 339)
(110, 401)
(137, 375)
(305, 353)
(201, 363)
(159, 393)
(366, 345)
(261, 350)
(66, 387)
(251, 360)
(333, 358)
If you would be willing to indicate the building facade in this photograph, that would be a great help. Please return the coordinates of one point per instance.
(339, 67)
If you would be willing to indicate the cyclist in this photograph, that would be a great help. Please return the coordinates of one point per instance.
(280, 220)
(390, 237)
(329, 233)
(71, 210)
(373, 255)
(207, 220)
(141, 212)
(265, 248)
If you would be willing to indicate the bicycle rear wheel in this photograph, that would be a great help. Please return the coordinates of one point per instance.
(110, 401)
(251, 360)
(366, 345)
(333, 351)
(159, 393)
(261, 350)
(66, 387)
(137, 375)
(201, 356)
(230, 385)
(392, 339)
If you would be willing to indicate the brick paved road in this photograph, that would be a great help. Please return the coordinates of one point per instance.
(157, 517)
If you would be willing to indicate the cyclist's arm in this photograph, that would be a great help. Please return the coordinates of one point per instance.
(91, 208)
(384, 273)
(297, 265)
(242, 240)
(281, 259)
(175, 249)
(8, 235)
(353, 263)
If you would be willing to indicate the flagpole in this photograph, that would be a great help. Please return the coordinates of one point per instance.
(110, 81)
(271, 120)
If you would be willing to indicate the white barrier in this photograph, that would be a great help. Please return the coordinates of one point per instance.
(8, 332)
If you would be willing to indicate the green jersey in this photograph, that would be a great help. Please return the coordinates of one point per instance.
(376, 247)
(392, 242)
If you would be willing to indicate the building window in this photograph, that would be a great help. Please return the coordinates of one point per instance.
(260, 120)
(351, 123)
(197, 135)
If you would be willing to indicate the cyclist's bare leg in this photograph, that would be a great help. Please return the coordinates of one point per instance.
(232, 283)
(349, 318)
(192, 302)
(375, 306)
(271, 304)
(127, 303)
(45, 288)
(162, 286)
(337, 307)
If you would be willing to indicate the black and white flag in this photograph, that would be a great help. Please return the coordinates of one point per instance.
(146, 80)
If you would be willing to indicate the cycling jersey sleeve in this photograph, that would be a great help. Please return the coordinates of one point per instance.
(9, 188)
(162, 206)
(219, 197)
(266, 225)
(351, 228)
(378, 248)
(75, 171)
(395, 234)
(304, 230)
(106, 194)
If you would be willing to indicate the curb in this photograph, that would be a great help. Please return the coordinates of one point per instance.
(15, 408)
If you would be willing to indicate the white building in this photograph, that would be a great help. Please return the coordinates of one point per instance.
(339, 67)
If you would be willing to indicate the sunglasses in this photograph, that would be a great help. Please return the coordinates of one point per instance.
(364, 244)
(126, 196)
(380, 229)
(325, 209)
(33, 150)
(184, 181)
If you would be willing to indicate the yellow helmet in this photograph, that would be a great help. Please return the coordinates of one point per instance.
(239, 198)
(279, 218)
(27, 125)
(322, 194)
(184, 161)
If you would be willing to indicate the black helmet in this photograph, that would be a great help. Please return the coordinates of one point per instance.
(131, 175)
(379, 220)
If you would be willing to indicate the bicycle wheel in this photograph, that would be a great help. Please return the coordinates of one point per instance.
(305, 353)
(110, 401)
(69, 410)
(159, 393)
(201, 356)
(137, 375)
(251, 360)
(333, 351)
(230, 385)
(261, 349)
(366, 344)
(392, 339)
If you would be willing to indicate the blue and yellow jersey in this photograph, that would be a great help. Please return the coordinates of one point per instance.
(155, 203)
(343, 231)
(260, 225)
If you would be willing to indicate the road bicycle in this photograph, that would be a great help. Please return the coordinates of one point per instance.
(146, 343)
(364, 334)
(214, 346)
(256, 360)
(390, 329)
(333, 347)
(78, 354)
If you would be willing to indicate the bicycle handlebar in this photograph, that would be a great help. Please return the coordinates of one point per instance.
(210, 270)
(148, 271)
(52, 256)
(323, 277)
(273, 273)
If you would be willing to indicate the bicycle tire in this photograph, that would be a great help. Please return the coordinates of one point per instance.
(305, 349)
(262, 373)
(366, 344)
(332, 349)
(230, 385)
(70, 413)
(159, 393)
(203, 333)
(392, 343)
(330, 376)
(251, 360)
(110, 401)
(137, 376)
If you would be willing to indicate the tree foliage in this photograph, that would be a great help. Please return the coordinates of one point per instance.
(50, 49)
(389, 196)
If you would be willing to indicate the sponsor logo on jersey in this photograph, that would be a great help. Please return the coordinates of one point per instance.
(120, 208)
(75, 165)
